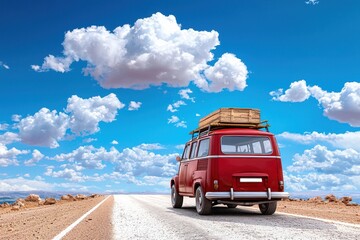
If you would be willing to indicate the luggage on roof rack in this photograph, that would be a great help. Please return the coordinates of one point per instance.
(230, 118)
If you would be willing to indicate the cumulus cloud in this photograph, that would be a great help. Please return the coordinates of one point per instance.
(312, 2)
(82, 117)
(137, 162)
(36, 157)
(137, 165)
(151, 146)
(343, 106)
(8, 138)
(85, 114)
(89, 140)
(340, 140)
(114, 142)
(229, 72)
(177, 122)
(173, 119)
(174, 107)
(3, 126)
(133, 106)
(323, 160)
(16, 118)
(322, 169)
(9, 156)
(89, 157)
(298, 92)
(152, 52)
(36, 68)
(67, 173)
(22, 184)
(184, 93)
(45, 128)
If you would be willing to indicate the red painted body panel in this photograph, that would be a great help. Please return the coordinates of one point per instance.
(228, 169)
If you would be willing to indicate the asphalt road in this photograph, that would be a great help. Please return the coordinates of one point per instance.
(152, 217)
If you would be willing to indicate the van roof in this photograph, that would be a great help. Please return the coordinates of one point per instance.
(239, 131)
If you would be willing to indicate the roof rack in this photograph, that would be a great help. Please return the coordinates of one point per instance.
(213, 126)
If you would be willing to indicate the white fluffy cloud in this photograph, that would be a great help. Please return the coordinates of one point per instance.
(341, 140)
(152, 52)
(312, 2)
(21, 184)
(137, 165)
(176, 121)
(133, 106)
(229, 72)
(151, 146)
(45, 128)
(16, 118)
(8, 138)
(322, 169)
(3, 126)
(298, 92)
(343, 106)
(89, 157)
(323, 160)
(67, 173)
(9, 156)
(174, 107)
(82, 117)
(85, 114)
(184, 93)
(137, 161)
(36, 157)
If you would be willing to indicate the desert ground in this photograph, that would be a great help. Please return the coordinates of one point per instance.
(37, 220)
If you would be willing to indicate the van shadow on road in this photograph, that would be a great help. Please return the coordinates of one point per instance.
(245, 215)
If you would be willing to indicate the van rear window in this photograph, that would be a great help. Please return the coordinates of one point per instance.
(246, 145)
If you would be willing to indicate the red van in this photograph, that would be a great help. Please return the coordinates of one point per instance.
(231, 166)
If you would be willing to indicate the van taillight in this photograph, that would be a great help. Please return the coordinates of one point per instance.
(216, 184)
(281, 185)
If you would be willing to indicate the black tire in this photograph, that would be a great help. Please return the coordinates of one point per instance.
(268, 208)
(176, 199)
(231, 205)
(203, 205)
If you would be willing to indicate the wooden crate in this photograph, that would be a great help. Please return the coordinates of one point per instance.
(231, 116)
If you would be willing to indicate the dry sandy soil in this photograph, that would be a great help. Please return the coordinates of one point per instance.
(332, 211)
(45, 222)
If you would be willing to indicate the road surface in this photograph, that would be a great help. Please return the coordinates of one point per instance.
(152, 217)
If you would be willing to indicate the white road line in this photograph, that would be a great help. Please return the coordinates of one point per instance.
(320, 219)
(69, 228)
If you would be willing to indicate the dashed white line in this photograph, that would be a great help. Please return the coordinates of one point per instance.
(69, 228)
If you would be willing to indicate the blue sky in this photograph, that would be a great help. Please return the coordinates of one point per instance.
(101, 96)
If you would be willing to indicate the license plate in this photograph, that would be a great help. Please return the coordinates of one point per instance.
(250, 180)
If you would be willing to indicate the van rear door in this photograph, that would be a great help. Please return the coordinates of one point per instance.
(249, 164)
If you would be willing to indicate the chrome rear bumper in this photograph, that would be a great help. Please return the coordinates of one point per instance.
(246, 195)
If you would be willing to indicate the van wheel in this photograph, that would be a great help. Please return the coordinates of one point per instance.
(231, 205)
(268, 208)
(176, 199)
(203, 205)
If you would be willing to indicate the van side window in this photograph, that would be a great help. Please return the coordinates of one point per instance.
(193, 149)
(203, 148)
(186, 152)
